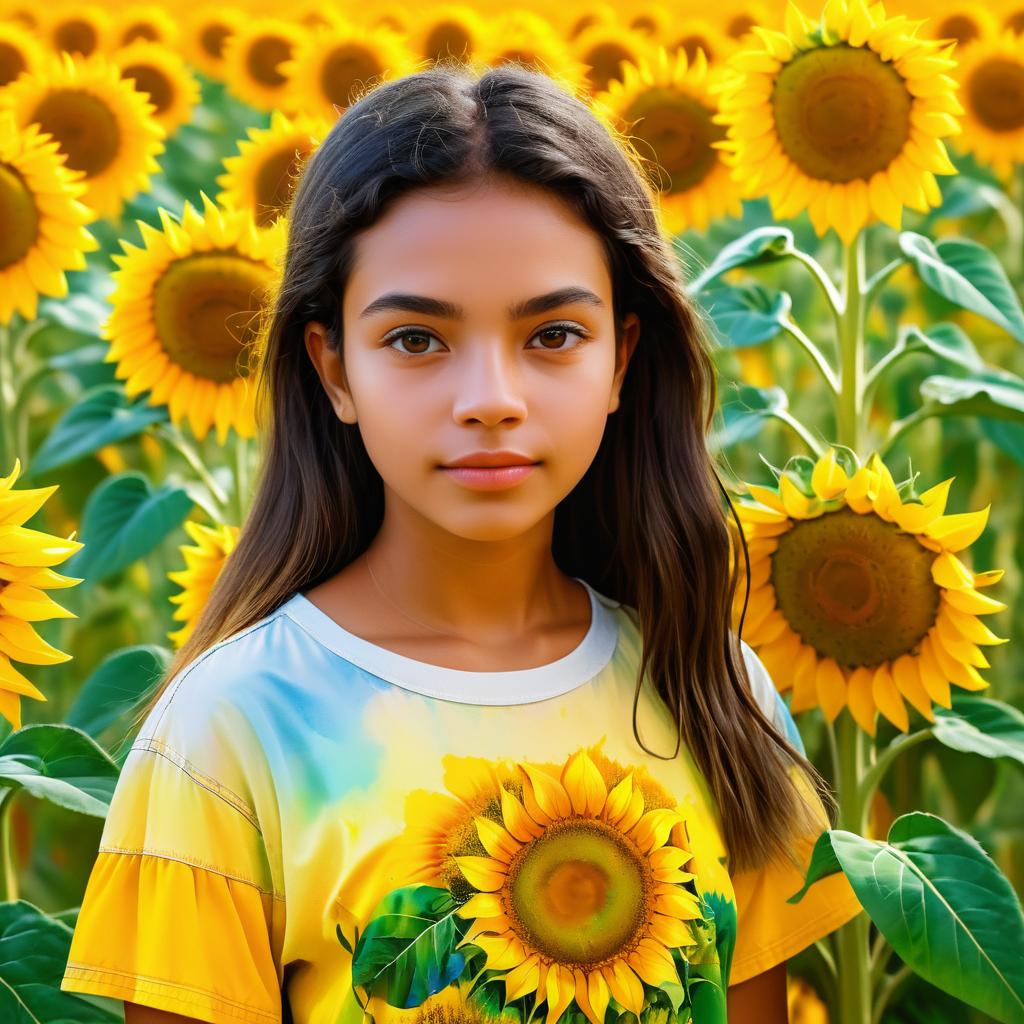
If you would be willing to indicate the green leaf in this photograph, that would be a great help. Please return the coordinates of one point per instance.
(996, 394)
(103, 416)
(947, 341)
(967, 274)
(746, 315)
(944, 907)
(980, 725)
(407, 951)
(743, 415)
(124, 519)
(117, 686)
(35, 952)
(81, 314)
(823, 862)
(762, 245)
(61, 764)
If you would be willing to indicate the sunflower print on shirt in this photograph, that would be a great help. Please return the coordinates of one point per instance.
(543, 893)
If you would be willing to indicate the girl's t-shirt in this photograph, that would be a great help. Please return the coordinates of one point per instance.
(312, 828)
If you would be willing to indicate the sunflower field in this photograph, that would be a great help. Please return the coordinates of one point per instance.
(844, 188)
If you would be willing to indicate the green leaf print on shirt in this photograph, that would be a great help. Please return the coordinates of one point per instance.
(543, 893)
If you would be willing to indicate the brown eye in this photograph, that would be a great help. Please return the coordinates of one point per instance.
(418, 339)
(559, 330)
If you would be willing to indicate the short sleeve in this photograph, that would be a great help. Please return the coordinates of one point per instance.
(180, 911)
(770, 930)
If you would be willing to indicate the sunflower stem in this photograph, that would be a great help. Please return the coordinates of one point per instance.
(8, 871)
(799, 429)
(852, 964)
(874, 775)
(8, 402)
(812, 350)
(177, 441)
(829, 290)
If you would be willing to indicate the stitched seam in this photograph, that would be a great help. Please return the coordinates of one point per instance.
(192, 862)
(155, 746)
(791, 938)
(188, 671)
(117, 979)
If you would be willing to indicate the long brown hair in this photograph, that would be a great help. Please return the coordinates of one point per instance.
(645, 525)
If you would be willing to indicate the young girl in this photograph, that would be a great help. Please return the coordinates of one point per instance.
(464, 731)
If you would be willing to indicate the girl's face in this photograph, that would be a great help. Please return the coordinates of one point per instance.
(477, 318)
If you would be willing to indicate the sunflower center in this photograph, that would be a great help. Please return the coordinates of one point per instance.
(140, 30)
(263, 59)
(12, 62)
(213, 38)
(84, 126)
(19, 216)
(855, 587)
(343, 68)
(680, 130)
(274, 179)
(841, 112)
(740, 25)
(205, 308)
(690, 44)
(447, 37)
(605, 62)
(1015, 22)
(996, 93)
(76, 35)
(578, 891)
(959, 27)
(153, 82)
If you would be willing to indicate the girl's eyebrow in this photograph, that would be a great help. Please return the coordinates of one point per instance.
(405, 302)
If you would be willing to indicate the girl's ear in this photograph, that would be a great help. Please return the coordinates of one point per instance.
(623, 352)
(327, 360)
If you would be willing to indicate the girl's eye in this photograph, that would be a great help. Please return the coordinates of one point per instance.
(423, 338)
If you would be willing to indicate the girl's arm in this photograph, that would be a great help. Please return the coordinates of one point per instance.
(759, 1000)
(135, 1013)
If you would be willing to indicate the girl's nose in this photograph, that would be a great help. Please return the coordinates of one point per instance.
(488, 385)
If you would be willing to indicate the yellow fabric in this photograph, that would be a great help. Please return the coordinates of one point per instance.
(180, 910)
(769, 929)
(152, 921)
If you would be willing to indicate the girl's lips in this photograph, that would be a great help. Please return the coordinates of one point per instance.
(490, 478)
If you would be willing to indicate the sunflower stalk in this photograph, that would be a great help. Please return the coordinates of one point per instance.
(852, 966)
(177, 440)
(9, 874)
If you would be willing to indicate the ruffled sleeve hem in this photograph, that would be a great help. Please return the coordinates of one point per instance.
(176, 936)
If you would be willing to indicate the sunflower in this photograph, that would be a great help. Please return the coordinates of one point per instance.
(991, 76)
(330, 66)
(185, 314)
(26, 560)
(203, 563)
(19, 51)
(604, 49)
(253, 55)
(206, 33)
(582, 893)
(145, 23)
(260, 179)
(739, 23)
(572, 20)
(653, 19)
(164, 77)
(102, 124)
(858, 598)
(844, 118)
(963, 21)
(695, 34)
(446, 30)
(666, 105)
(1013, 17)
(17, 12)
(78, 29)
(520, 843)
(44, 222)
(522, 37)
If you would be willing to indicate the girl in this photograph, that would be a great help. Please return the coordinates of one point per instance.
(464, 731)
